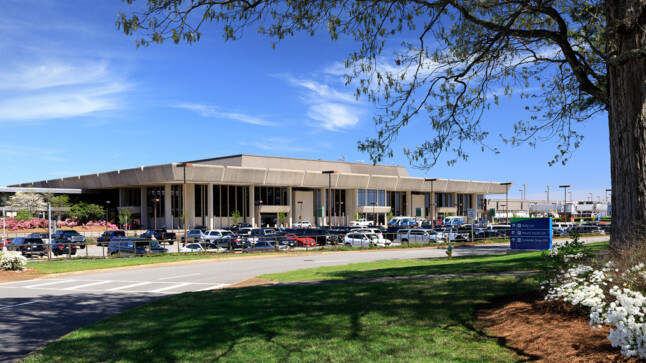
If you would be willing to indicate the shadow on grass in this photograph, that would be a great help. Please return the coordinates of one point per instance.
(399, 320)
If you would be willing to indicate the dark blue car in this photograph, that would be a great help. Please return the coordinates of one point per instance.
(134, 247)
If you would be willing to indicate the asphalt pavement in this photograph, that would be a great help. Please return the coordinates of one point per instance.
(34, 313)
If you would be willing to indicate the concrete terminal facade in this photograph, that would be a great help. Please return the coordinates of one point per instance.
(261, 187)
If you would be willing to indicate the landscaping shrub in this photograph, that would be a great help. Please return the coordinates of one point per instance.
(12, 260)
(612, 288)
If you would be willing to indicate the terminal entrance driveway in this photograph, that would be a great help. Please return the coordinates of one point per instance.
(36, 312)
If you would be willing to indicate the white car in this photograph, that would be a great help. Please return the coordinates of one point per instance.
(202, 247)
(213, 234)
(303, 224)
(360, 239)
(360, 223)
(418, 236)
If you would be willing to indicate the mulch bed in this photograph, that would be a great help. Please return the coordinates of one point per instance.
(544, 331)
(26, 274)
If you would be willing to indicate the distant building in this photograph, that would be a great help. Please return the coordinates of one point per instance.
(261, 187)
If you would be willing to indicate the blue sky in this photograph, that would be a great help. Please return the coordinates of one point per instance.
(77, 97)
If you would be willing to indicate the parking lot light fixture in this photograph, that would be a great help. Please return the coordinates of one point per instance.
(608, 190)
(432, 180)
(508, 185)
(565, 197)
(184, 165)
(300, 214)
(548, 194)
(107, 212)
(4, 234)
(329, 191)
(155, 201)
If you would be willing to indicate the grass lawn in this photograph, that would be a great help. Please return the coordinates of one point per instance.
(515, 261)
(416, 320)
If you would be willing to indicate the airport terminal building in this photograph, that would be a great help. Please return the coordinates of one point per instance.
(259, 188)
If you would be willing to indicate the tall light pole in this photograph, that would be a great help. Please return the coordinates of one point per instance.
(548, 194)
(607, 190)
(524, 191)
(4, 234)
(329, 192)
(155, 201)
(184, 165)
(565, 197)
(432, 180)
(521, 194)
(590, 196)
(508, 184)
(107, 213)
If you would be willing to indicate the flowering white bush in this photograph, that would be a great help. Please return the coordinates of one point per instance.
(622, 307)
(12, 260)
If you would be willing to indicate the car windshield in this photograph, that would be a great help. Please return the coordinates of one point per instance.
(373, 236)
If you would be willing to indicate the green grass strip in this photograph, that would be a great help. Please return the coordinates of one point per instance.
(514, 261)
(411, 321)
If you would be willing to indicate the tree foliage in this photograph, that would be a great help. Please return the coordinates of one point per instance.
(87, 212)
(30, 201)
(58, 203)
(125, 216)
(466, 56)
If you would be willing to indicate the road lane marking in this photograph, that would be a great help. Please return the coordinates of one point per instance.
(214, 287)
(48, 283)
(171, 287)
(11, 306)
(86, 285)
(128, 286)
(176, 277)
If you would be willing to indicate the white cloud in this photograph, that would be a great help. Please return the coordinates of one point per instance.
(333, 116)
(329, 108)
(210, 111)
(55, 89)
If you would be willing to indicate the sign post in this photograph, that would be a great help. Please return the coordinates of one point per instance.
(531, 234)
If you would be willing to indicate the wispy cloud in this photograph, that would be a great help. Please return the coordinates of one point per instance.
(279, 144)
(214, 112)
(333, 110)
(57, 89)
(15, 151)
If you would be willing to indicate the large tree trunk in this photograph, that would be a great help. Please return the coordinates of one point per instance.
(627, 124)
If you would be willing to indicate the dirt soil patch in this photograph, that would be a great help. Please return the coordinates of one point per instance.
(548, 332)
(252, 281)
(11, 276)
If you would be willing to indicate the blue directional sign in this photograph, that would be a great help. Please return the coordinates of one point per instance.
(531, 234)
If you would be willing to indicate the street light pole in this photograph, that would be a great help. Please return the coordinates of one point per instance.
(184, 165)
(107, 213)
(607, 190)
(300, 214)
(432, 180)
(508, 184)
(155, 201)
(329, 193)
(548, 194)
(565, 197)
(4, 235)
(374, 217)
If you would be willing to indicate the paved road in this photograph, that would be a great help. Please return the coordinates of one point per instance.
(36, 312)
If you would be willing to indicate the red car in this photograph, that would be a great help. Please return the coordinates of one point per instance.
(5, 241)
(300, 241)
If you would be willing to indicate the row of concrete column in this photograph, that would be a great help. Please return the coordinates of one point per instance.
(291, 218)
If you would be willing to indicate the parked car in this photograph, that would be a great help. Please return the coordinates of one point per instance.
(358, 239)
(264, 246)
(202, 247)
(323, 237)
(362, 222)
(41, 235)
(418, 236)
(193, 235)
(302, 224)
(5, 241)
(402, 222)
(201, 228)
(160, 234)
(451, 234)
(71, 235)
(108, 236)
(229, 243)
(62, 247)
(297, 241)
(134, 246)
(27, 246)
(213, 234)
